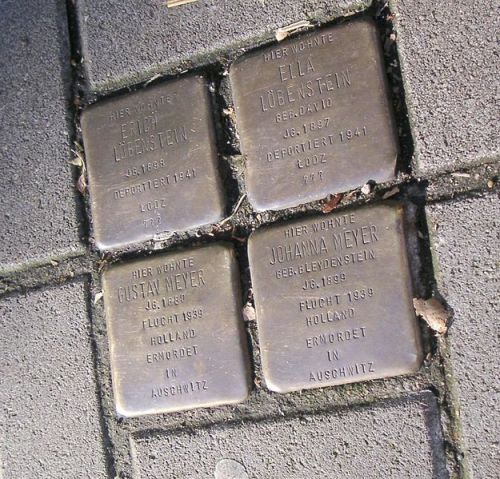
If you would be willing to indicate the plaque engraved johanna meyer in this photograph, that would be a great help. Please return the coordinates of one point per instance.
(333, 299)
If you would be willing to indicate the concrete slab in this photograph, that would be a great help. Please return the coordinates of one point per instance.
(448, 53)
(393, 439)
(124, 41)
(467, 247)
(49, 415)
(38, 219)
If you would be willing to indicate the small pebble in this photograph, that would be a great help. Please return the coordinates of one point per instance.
(230, 469)
(367, 189)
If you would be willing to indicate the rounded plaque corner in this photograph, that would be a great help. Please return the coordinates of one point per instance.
(256, 232)
(367, 25)
(400, 207)
(87, 116)
(223, 246)
(413, 362)
(233, 69)
(83, 117)
(393, 206)
(101, 245)
(257, 205)
(275, 386)
(416, 362)
(200, 78)
(243, 395)
(219, 213)
(123, 411)
(253, 240)
(366, 20)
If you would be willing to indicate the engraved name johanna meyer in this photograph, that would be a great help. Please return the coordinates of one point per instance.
(346, 239)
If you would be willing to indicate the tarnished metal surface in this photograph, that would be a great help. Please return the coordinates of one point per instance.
(175, 331)
(314, 116)
(152, 163)
(334, 300)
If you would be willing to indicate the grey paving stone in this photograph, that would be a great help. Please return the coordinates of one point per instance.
(449, 59)
(49, 417)
(38, 217)
(393, 439)
(125, 41)
(466, 239)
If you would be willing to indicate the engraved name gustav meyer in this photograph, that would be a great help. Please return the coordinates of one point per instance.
(175, 331)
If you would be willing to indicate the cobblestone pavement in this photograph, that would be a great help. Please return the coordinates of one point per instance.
(59, 419)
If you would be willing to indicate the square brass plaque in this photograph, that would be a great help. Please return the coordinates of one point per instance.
(152, 163)
(175, 331)
(334, 300)
(314, 116)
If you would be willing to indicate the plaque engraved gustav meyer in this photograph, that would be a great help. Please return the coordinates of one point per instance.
(175, 331)
(333, 299)
(151, 156)
(313, 116)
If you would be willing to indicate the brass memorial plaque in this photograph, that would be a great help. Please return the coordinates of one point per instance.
(314, 116)
(152, 163)
(175, 331)
(333, 299)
